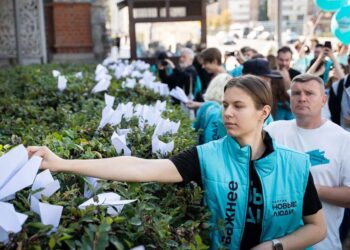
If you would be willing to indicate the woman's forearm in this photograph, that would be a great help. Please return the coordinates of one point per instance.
(124, 168)
(311, 233)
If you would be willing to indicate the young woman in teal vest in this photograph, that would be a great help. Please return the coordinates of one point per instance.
(261, 195)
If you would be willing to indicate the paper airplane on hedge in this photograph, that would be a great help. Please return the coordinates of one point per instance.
(45, 181)
(136, 74)
(129, 83)
(102, 85)
(49, 214)
(161, 147)
(160, 106)
(125, 110)
(62, 83)
(124, 131)
(79, 75)
(119, 143)
(10, 220)
(166, 126)
(179, 94)
(115, 118)
(109, 100)
(56, 73)
(100, 70)
(112, 200)
(16, 171)
(163, 89)
(107, 113)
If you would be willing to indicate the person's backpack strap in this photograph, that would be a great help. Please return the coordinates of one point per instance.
(334, 102)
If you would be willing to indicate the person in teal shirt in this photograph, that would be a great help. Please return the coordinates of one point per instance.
(260, 195)
(281, 101)
(208, 120)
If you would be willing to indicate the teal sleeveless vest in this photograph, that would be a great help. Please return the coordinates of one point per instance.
(225, 176)
(209, 121)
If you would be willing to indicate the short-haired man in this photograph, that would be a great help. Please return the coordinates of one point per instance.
(327, 145)
(284, 60)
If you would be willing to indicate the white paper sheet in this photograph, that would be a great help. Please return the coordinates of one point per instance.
(102, 85)
(56, 73)
(62, 83)
(129, 83)
(138, 248)
(109, 100)
(166, 126)
(24, 177)
(159, 147)
(124, 131)
(127, 110)
(101, 70)
(79, 75)
(11, 162)
(119, 143)
(160, 106)
(115, 118)
(10, 220)
(49, 214)
(136, 74)
(45, 180)
(179, 94)
(107, 113)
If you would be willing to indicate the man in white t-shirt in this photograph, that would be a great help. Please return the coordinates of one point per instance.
(328, 146)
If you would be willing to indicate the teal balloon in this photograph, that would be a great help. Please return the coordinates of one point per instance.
(340, 25)
(330, 5)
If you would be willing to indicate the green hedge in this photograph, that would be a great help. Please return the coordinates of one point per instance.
(33, 112)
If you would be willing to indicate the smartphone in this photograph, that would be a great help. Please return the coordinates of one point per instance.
(231, 53)
(328, 44)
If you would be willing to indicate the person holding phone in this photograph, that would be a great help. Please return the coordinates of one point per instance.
(320, 66)
(260, 195)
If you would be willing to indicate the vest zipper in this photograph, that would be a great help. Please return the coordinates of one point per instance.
(246, 205)
(264, 203)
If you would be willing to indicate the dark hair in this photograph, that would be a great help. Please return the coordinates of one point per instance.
(257, 56)
(284, 49)
(210, 55)
(319, 45)
(255, 87)
(279, 95)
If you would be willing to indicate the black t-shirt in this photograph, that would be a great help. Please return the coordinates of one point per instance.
(187, 163)
(293, 73)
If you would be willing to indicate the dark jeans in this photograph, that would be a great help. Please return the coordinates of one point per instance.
(345, 225)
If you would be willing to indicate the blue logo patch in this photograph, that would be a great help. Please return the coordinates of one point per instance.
(317, 157)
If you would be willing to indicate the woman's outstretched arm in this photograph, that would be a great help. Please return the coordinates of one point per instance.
(123, 168)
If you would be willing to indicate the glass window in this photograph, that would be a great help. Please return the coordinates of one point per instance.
(145, 12)
(170, 37)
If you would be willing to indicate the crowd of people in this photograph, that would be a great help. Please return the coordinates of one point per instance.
(272, 155)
